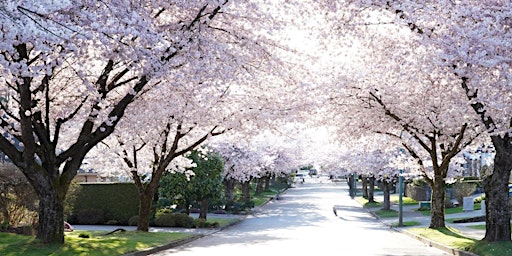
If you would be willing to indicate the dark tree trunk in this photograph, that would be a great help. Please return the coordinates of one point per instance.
(229, 188)
(386, 202)
(51, 218)
(203, 209)
(351, 189)
(365, 186)
(259, 186)
(437, 202)
(145, 201)
(497, 213)
(371, 189)
(267, 182)
(187, 206)
(246, 191)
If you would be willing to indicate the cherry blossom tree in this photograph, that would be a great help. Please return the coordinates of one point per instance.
(397, 90)
(470, 40)
(70, 69)
(207, 97)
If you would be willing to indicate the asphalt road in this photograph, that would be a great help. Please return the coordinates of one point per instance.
(302, 222)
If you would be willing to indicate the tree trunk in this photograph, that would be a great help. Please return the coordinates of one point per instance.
(51, 218)
(371, 189)
(259, 186)
(145, 201)
(246, 195)
(267, 182)
(187, 206)
(203, 209)
(386, 202)
(437, 202)
(229, 188)
(351, 190)
(497, 213)
(365, 187)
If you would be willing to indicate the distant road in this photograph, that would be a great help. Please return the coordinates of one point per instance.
(302, 222)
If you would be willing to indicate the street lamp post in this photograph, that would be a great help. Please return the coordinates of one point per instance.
(400, 202)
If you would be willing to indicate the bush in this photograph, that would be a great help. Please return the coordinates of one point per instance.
(183, 220)
(234, 207)
(165, 220)
(463, 189)
(112, 222)
(119, 201)
(479, 199)
(163, 211)
(133, 221)
(200, 223)
(90, 216)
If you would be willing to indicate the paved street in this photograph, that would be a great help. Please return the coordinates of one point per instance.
(302, 222)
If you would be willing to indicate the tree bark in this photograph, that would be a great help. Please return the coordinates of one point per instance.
(365, 186)
(386, 202)
(145, 201)
(351, 189)
(497, 213)
(259, 186)
(51, 218)
(267, 183)
(204, 209)
(229, 188)
(437, 202)
(246, 193)
(371, 189)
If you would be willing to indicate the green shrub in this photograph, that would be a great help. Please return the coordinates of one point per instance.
(163, 211)
(165, 220)
(200, 223)
(463, 189)
(134, 220)
(119, 201)
(479, 199)
(90, 216)
(183, 220)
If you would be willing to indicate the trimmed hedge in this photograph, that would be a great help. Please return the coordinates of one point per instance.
(117, 201)
(175, 220)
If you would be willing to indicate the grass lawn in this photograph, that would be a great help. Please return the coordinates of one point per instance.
(405, 200)
(364, 202)
(407, 224)
(447, 236)
(223, 221)
(97, 244)
(265, 195)
(492, 249)
(386, 213)
(453, 210)
(451, 237)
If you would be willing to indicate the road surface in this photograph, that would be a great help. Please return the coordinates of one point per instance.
(302, 222)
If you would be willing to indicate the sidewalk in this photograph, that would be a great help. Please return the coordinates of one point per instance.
(411, 213)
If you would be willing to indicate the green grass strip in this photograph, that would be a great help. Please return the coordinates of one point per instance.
(96, 245)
